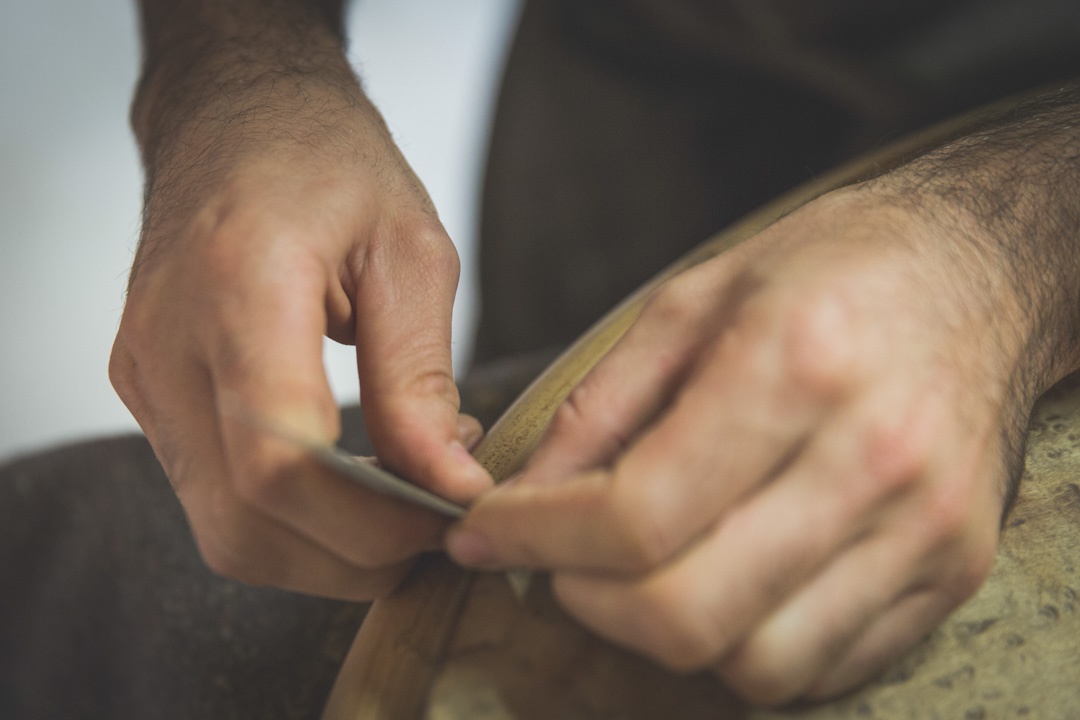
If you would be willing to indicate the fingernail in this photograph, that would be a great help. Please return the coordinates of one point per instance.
(469, 547)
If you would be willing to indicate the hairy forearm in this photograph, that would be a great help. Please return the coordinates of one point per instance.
(229, 84)
(1006, 192)
(1015, 175)
(208, 60)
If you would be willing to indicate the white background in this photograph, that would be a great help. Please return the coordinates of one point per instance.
(70, 182)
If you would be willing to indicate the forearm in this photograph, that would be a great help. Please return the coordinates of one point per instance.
(207, 61)
(1013, 183)
(1005, 193)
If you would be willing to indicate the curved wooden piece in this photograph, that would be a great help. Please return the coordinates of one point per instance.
(448, 644)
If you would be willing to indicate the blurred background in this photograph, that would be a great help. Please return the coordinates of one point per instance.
(70, 183)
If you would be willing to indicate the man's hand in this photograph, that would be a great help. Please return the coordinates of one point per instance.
(796, 461)
(278, 210)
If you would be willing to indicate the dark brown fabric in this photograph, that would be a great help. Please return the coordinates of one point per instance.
(630, 130)
(107, 611)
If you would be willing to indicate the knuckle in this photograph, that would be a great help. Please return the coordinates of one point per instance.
(762, 680)
(406, 406)
(571, 418)
(122, 374)
(434, 249)
(685, 651)
(673, 302)
(140, 327)
(218, 238)
(445, 257)
(896, 456)
(819, 353)
(946, 515)
(393, 543)
(248, 240)
(638, 507)
(589, 414)
(437, 381)
(676, 635)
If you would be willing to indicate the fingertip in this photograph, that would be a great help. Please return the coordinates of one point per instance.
(423, 445)
(470, 431)
(471, 477)
(444, 467)
(470, 548)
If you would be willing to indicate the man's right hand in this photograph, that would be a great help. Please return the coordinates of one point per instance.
(279, 210)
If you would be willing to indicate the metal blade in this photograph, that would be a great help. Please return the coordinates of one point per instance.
(381, 481)
(376, 479)
(360, 470)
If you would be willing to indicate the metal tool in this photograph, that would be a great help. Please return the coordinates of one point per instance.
(362, 471)
(365, 473)
(374, 478)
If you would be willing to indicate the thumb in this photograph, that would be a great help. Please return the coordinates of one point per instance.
(404, 306)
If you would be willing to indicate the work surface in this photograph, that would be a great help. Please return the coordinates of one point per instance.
(1012, 651)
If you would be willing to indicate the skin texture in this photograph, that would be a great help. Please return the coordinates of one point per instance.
(279, 210)
(792, 466)
(755, 479)
(795, 463)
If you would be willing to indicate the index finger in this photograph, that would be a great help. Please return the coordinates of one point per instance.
(718, 439)
(404, 305)
(265, 356)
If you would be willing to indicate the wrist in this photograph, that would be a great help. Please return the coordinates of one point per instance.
(212, 66)
(1003, 196)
